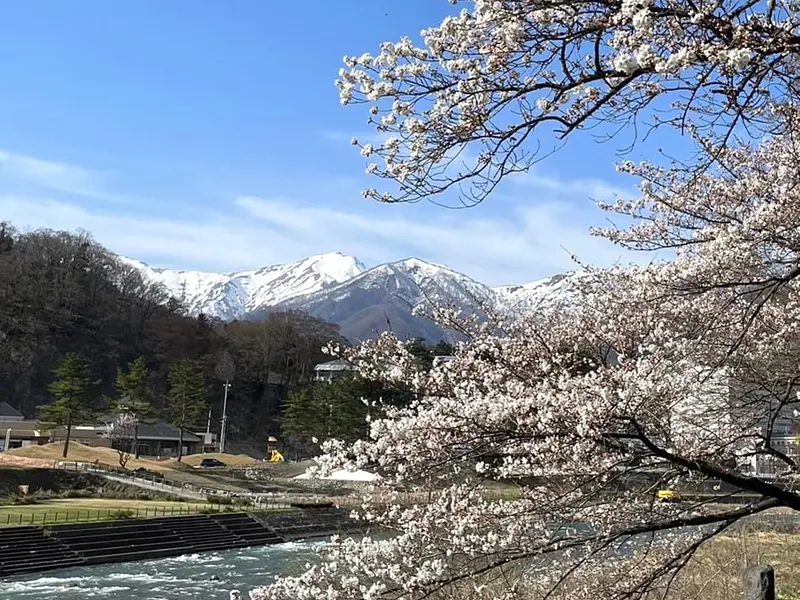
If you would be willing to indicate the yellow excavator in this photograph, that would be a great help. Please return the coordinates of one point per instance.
(272, 448)
(668, 495)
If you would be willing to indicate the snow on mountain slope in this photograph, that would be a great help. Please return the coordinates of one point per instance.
(384, 298)
(415, 281)
(363, 302)
(232, 295)
(553, 291)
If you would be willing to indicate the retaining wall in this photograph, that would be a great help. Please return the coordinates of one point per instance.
(25, 550)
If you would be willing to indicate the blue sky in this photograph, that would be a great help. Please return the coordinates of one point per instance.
(209, 136)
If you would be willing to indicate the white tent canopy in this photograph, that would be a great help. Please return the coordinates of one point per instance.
(343, 475)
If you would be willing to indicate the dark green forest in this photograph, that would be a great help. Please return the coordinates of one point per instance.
(63, 293)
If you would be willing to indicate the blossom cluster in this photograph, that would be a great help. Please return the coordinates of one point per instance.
(672, 372)
(459, 110)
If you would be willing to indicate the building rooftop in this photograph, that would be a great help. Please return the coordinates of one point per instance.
(438, 360)
(335, 365)
(160, 430)
(20, 426)
(164, 431)
(9, 413)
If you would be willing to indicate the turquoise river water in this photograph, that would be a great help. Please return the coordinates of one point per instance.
(207, 576)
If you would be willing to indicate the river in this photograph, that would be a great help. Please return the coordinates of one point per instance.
(189, 577)
(186, 577)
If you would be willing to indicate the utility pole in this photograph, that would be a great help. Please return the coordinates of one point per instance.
(223, 428)
(207, 439)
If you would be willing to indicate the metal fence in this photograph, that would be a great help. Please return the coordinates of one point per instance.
(17, 515)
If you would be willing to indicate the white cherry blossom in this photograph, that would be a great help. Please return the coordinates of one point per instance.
(499, 74)
(673, 373)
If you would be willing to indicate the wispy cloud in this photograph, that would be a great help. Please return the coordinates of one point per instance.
(527, 243)
(215, 242)
(575, 188)
(54, 175)
(509, 240)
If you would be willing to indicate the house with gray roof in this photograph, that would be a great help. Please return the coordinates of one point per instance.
(160, 439)
(334, 369)
(9, 414)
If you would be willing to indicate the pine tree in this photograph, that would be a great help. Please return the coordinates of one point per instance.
(187, 397)
(135, 396)
(419, 348)
(345, 401)
(443, 348)
(302, 421)
(72, 400)
(326, 410)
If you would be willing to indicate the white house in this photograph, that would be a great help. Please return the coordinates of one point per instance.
(328, 371)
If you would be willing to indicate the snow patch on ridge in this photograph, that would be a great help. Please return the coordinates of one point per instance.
(334, 277)
(230, 296)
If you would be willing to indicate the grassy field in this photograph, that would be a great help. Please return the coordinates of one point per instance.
(717, 570)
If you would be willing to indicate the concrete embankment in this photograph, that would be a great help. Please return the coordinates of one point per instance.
(25, 550)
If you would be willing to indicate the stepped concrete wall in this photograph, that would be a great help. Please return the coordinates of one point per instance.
(26, 550)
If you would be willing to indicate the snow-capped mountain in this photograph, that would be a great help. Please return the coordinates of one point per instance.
(339, 289)
(384, 298)
(230, 296)
(543, 293)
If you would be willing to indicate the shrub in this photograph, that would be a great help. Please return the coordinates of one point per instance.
(219, 500)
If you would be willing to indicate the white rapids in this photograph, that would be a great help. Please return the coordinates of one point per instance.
(206, 576)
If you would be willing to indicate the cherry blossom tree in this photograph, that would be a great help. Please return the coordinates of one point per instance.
(678, 373)
(477, 100)
(122, 433)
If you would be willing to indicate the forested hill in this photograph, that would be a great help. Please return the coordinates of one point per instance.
(64, 293)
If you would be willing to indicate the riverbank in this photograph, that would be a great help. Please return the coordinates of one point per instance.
(26, 550)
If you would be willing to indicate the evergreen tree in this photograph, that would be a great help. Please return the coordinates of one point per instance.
(344, 407)
(425, 353)
(302, 422)
(443, 348)
(336, 409)
(419, 348)
(186, 400)
(72, 400)
(135, 396)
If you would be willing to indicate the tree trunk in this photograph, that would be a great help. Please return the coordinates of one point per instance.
(66, 439)
(180, 443)
(136, 438)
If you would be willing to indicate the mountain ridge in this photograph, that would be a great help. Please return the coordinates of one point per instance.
(340, 289)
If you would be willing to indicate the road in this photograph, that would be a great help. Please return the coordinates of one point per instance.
(147, 484)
